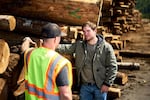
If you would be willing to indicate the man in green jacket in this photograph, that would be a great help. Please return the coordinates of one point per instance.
(95, 63)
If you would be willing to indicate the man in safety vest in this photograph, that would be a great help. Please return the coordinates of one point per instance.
(48, 75)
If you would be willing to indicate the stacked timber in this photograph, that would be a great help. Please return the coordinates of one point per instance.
(122, 15)
(107, 11)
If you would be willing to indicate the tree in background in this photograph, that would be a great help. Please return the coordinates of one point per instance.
(144, 7)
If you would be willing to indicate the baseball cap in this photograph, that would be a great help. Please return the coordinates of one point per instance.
(50, 30)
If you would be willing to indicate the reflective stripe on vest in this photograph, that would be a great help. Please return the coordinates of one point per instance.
(49, 90)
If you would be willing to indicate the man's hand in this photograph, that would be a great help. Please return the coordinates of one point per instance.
(26, 44)
(29, 40)
(65, 93)
(104, 88)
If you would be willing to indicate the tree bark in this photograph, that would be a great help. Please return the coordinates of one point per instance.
(58, 11)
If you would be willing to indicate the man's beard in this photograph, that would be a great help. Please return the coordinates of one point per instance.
(89, 39)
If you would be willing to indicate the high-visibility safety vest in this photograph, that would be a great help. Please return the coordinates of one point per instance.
(42, 67)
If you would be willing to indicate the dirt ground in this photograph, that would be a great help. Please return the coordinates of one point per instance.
(138, 85)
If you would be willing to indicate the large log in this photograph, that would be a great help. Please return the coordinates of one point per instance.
(29, 26)
(4, 55)
(7, 22)
(66, 11)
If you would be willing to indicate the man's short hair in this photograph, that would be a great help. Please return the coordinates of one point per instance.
(50, 30)
(90, 24)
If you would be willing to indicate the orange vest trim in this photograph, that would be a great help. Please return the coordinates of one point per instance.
(47, 76)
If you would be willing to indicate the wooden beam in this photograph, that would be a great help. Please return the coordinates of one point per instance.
(117, 44)
(131, 53)
(114, 93)
(121, 78)
(128, 65)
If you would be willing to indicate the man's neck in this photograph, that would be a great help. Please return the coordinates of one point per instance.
(49, 46)
(93, 41)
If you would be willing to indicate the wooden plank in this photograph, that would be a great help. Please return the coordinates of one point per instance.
(124, 6)
(119, 59)
(121, 78)
(128, 65)
(114, 93)
(106, 19)
(132, 53)
(7, 22)
(117, 44)
(108, 37)
(75, 97)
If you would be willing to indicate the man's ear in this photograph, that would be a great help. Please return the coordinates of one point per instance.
(55, 40)
(95, 30)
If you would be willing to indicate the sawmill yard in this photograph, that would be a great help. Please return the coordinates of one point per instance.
(120, 24)
(138, 84)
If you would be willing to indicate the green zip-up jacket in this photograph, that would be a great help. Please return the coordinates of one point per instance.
(104, 59)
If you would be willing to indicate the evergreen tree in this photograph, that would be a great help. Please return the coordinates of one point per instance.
(144, 7)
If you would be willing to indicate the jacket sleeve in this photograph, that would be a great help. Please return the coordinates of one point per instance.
(66, 48)
(111, 66)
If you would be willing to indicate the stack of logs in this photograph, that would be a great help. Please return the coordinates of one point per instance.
(118, 16)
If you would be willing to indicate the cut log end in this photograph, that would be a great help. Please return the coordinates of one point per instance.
(12, 23)
(7, 22)
(4, 55)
